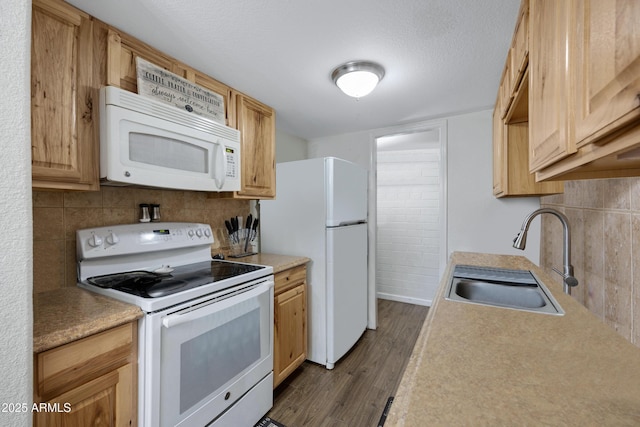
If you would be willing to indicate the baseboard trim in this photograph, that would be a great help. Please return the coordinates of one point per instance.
(408, 300)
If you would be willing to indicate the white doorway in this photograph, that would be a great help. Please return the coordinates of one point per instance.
(410, 212)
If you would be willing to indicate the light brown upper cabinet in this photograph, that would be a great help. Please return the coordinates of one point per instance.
(607, 67)
(585, 85)
(499, 166)
(519, 52)
(549, 86)
(213, 85)
(121, 59)
(511, 176)
(257, 125)
(64, 103)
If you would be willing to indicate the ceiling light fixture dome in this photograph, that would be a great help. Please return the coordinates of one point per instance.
(357, 78)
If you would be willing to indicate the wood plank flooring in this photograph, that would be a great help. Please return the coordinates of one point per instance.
(355, 392)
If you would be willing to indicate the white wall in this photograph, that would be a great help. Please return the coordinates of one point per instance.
(290, 148)
(16, 280)
(477, 221)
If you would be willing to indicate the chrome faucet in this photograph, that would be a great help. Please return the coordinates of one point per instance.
(568, 279)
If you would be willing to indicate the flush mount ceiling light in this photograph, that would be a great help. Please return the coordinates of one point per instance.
(357, 78)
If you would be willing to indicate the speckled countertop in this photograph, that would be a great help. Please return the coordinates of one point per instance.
(68, 314)
(480, 365)
(278, 262)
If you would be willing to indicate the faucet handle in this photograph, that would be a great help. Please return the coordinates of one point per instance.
(567, 278)
(571, 281)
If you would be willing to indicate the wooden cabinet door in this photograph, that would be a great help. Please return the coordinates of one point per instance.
(499, 166)
(520, 47)
(92, 404)
(121, 57)
(257, 125)
(213, 85)
(89, 382)
(290, 337)
(64, 147)
(549, 137)
(606, 67)
(105, 401)
(504, 91)
(122, 51)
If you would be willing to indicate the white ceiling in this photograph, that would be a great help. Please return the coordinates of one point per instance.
(441, 56)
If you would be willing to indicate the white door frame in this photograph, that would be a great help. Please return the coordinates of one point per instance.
(441, 127)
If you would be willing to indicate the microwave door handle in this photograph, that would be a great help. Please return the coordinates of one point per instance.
(214, 306)
(220, 181)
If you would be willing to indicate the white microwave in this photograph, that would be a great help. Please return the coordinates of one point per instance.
(148, 143)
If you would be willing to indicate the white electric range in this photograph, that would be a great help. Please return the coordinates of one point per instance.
(206, 338)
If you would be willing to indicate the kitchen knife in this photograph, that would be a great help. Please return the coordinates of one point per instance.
(248, 231)
(255, 226)
(229, 228)
(234, 226)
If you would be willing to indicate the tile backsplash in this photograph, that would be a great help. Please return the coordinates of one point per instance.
(57, 216)
(604, 217)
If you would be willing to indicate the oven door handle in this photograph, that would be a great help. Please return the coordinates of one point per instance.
(215, 306)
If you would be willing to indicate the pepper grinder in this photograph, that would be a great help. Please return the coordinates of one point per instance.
(144, 213)
(155, 213)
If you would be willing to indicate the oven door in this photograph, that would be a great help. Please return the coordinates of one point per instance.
(213, 353)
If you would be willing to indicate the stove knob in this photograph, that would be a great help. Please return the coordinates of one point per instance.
(207, 232)
(199, 232)
(190, 233)
(95, 241)
(112, 239)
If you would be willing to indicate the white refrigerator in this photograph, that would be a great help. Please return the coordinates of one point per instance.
(320, 212)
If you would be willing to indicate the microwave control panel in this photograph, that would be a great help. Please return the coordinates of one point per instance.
(232, 162)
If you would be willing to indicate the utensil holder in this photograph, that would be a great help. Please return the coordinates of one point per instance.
(240, 244)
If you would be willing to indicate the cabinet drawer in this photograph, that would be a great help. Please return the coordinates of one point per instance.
(289, 278)
(66, 367)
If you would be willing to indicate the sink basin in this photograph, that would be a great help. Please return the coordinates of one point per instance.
(499, 293)
(512, 289)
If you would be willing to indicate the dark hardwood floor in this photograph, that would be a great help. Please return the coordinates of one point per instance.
(355, 392)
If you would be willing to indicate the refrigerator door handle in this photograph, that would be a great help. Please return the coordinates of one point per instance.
(345, 223)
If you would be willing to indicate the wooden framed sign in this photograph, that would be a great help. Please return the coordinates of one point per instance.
(162, 85)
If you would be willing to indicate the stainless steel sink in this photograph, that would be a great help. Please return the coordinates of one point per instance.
(512, 289)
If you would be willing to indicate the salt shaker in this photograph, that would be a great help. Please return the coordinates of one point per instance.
(155, 213)
(144, 213)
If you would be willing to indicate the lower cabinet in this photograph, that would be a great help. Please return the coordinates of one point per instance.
(92, 381)
(290, 317)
